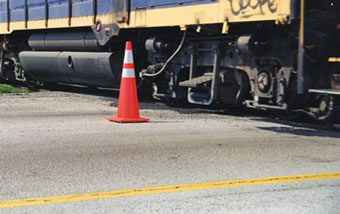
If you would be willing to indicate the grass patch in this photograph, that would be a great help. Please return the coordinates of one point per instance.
(4, 88)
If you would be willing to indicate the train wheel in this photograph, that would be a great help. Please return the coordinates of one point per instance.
(294, 102)
(322, 109)
(244, 88)
(34, 85)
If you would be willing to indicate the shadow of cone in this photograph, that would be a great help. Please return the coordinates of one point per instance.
(128, 109)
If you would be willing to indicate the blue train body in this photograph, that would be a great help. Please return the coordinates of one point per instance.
(56, 9)
(36, 9)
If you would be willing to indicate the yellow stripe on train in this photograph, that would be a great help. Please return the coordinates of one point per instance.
(218, 12)
(334, 59)
(84, 21)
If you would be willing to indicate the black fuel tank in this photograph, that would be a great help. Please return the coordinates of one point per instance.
(85, 68)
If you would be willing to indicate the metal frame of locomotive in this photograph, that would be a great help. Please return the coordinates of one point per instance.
(257, 53)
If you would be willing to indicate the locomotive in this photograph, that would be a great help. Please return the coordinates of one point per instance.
(278, 55)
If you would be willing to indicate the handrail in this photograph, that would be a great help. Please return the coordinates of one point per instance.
(26, 14)
(69, 12)
(46, 13)
(94, 8)
(8, 16)
(301, 51)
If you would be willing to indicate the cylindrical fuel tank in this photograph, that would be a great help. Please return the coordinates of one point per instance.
(85, 68)
(70, 41)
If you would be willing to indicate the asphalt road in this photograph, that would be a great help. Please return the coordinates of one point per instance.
(56, 144)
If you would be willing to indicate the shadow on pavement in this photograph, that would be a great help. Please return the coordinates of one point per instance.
(303, 132)
(78, 89)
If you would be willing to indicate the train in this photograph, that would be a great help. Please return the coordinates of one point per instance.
(276, 55)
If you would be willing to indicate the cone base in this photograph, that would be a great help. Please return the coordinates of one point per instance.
(127, 120)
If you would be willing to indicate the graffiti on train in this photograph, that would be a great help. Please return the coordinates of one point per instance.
(247, 8)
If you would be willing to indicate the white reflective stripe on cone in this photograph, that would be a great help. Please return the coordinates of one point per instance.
(128, 58)
(128, 73)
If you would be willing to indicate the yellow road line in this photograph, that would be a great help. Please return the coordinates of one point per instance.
(165, 189)
(334, 59)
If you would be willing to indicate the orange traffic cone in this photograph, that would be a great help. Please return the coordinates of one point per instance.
(128, 110)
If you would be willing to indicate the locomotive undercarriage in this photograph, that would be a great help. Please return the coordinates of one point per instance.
(252, 70)
(256, 70)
